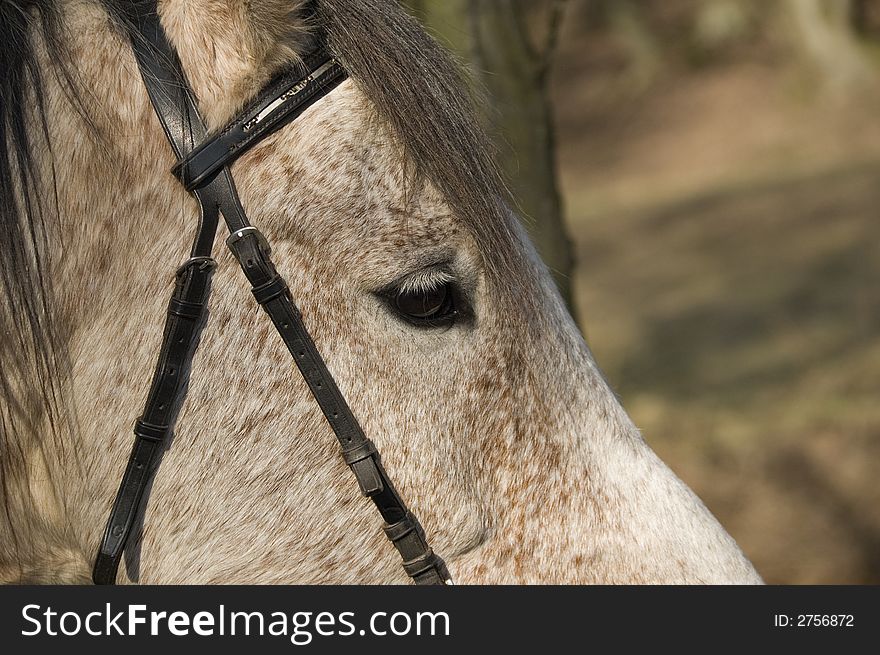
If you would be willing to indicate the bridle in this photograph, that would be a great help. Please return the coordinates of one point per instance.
(203, 169)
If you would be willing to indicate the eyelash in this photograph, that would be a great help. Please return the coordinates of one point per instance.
(408, 302)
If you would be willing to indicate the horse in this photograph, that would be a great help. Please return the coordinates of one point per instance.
(384, 206)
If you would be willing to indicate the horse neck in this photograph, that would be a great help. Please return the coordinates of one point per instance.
(122, 227)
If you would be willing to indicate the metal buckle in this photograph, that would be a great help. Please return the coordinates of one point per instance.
(202, 262)
(244, 232)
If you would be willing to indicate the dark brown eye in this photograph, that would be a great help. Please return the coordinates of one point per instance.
(426, 306)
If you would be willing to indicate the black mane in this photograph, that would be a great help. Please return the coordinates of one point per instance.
(28, 353)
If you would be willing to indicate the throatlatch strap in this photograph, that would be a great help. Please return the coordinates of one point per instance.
(204, 171)
(177, 113)
(186, 314)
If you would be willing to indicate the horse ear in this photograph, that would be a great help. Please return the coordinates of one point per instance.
(229, 47)
(281, 27)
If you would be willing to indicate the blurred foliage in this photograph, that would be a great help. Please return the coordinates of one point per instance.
(651, 35)
(720, 163)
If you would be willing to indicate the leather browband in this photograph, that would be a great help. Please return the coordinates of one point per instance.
(204, 171)
(282, 101)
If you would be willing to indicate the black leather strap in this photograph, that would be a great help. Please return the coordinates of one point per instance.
(253, 254)
(204, 169)
(177, 113)
(281, 102)
(153, 427)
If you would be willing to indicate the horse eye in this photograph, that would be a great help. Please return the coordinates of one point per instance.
(426, 306)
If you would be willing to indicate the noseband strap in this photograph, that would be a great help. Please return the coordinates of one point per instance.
(203, 169)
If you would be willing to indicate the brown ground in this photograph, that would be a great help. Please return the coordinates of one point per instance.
(727, 226)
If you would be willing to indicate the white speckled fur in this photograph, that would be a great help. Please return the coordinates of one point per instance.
(501, 434)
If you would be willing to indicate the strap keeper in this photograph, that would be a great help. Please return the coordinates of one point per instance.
(367, 474)
(359, 452)
(185, 309)
(425, 563)
(361, 459)
(271, 290)
(244, 233)
(150, 432)
(408, 524)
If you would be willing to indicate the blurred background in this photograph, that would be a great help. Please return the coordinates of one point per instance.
(703, 177)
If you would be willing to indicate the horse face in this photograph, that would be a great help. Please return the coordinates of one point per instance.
(440, 325)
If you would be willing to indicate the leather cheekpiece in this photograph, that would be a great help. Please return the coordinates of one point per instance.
(203, 169)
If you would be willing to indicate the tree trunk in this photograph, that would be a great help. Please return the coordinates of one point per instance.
(496, 38)
(827, 33)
